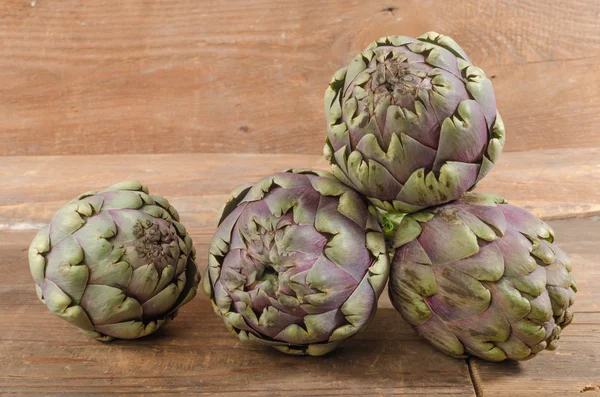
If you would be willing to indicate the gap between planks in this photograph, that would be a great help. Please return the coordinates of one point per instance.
(474, 375)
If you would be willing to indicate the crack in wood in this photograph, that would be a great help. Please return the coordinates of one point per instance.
(475, 381)
(589, 388)
(592, 216)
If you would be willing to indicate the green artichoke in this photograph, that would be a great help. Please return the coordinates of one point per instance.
(412, 123)
(298, 262)
(482, 277)
(116, 263)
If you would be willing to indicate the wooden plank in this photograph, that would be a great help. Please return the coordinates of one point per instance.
(196, 355)
(161, 77)
(197, 184)
(575, 367)
(552, 184)
(41, 354)
(549, 183)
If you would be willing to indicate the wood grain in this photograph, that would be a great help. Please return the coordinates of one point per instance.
(183, 77)
(196, 355)
(575, 367)
(551, 184)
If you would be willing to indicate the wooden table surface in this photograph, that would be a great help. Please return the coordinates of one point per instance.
(91, 91)
(195, 355)
(125, 76)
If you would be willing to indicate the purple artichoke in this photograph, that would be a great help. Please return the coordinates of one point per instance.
(412, 123)
(482, 277)
(298, 262)
(115, 263)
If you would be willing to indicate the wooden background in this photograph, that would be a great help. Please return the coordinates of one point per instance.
(196, 97)
(97, 77)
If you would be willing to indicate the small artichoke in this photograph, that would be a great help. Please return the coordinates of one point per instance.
(482, 277)
(115, 263)
(412, 123)
(298, 262)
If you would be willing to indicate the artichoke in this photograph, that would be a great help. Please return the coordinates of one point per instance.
(116, 263)
(412, 123)
(482, 277)
(298, 262)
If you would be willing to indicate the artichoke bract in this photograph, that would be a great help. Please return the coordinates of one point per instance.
(411, 123)
(115, 263)
(298, 262)
(478, 276)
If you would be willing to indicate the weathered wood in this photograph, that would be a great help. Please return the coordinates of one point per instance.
(195, 354)
(552, 184)
(158, 77)
(575, 367)
(549, 183)
(41, 354)
(571, 370)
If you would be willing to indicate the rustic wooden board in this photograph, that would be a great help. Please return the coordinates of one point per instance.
(575, 367)
(41, 354)
(195, 355)
(114, 76)
(548, 183)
